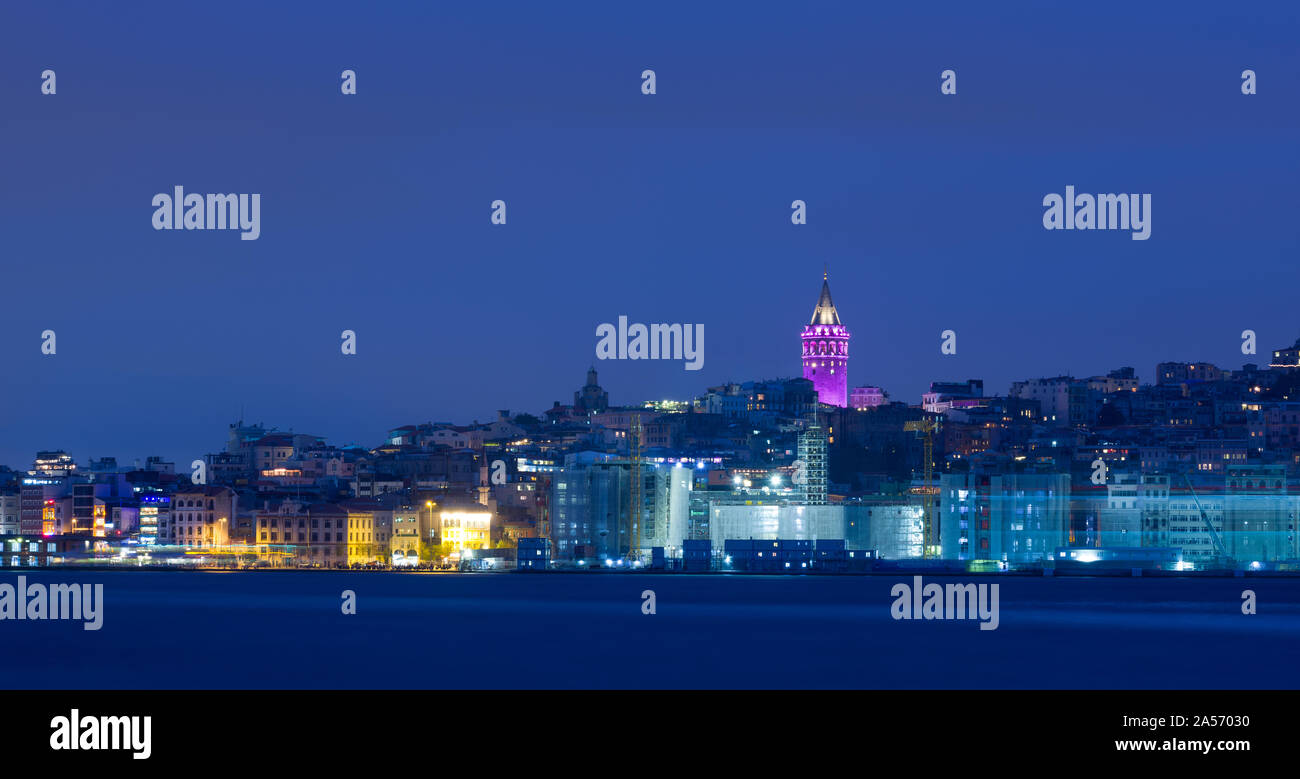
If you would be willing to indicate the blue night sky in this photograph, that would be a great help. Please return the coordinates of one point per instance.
(666, 208)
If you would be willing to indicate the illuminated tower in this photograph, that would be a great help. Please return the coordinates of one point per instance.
(826, 351)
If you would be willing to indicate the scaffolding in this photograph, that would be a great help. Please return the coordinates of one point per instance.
(812, 454)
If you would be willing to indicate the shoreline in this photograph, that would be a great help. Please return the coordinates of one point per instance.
(1138, 573)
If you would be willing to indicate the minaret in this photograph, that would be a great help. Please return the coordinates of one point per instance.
(826, 351)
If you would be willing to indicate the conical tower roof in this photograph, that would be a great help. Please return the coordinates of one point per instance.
(825, 313)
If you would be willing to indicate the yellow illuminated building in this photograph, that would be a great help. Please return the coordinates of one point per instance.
(466, 529)
(362, 544)
(323, 534)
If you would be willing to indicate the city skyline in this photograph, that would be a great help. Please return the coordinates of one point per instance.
(1261, 361)
(825, 316)
(673, 207)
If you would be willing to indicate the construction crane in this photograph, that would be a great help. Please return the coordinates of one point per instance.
(926, 428)
(543, 501)
(638, 485)
(1214, 534)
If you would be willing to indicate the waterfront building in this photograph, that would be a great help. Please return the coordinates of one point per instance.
(892, 526)
(590, 506)
(9, 512)
(321, 534)
(405, 539)
(37, 508)
(200, 516)
(154, 515)
(465, 530)
(1259, 519)
(667, 515)
(1010, 518)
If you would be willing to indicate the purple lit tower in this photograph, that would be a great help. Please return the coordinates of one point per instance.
(826, 351)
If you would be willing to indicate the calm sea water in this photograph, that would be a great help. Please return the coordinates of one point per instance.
(286, 630)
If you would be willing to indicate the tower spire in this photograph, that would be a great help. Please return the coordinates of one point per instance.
(825, 313)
